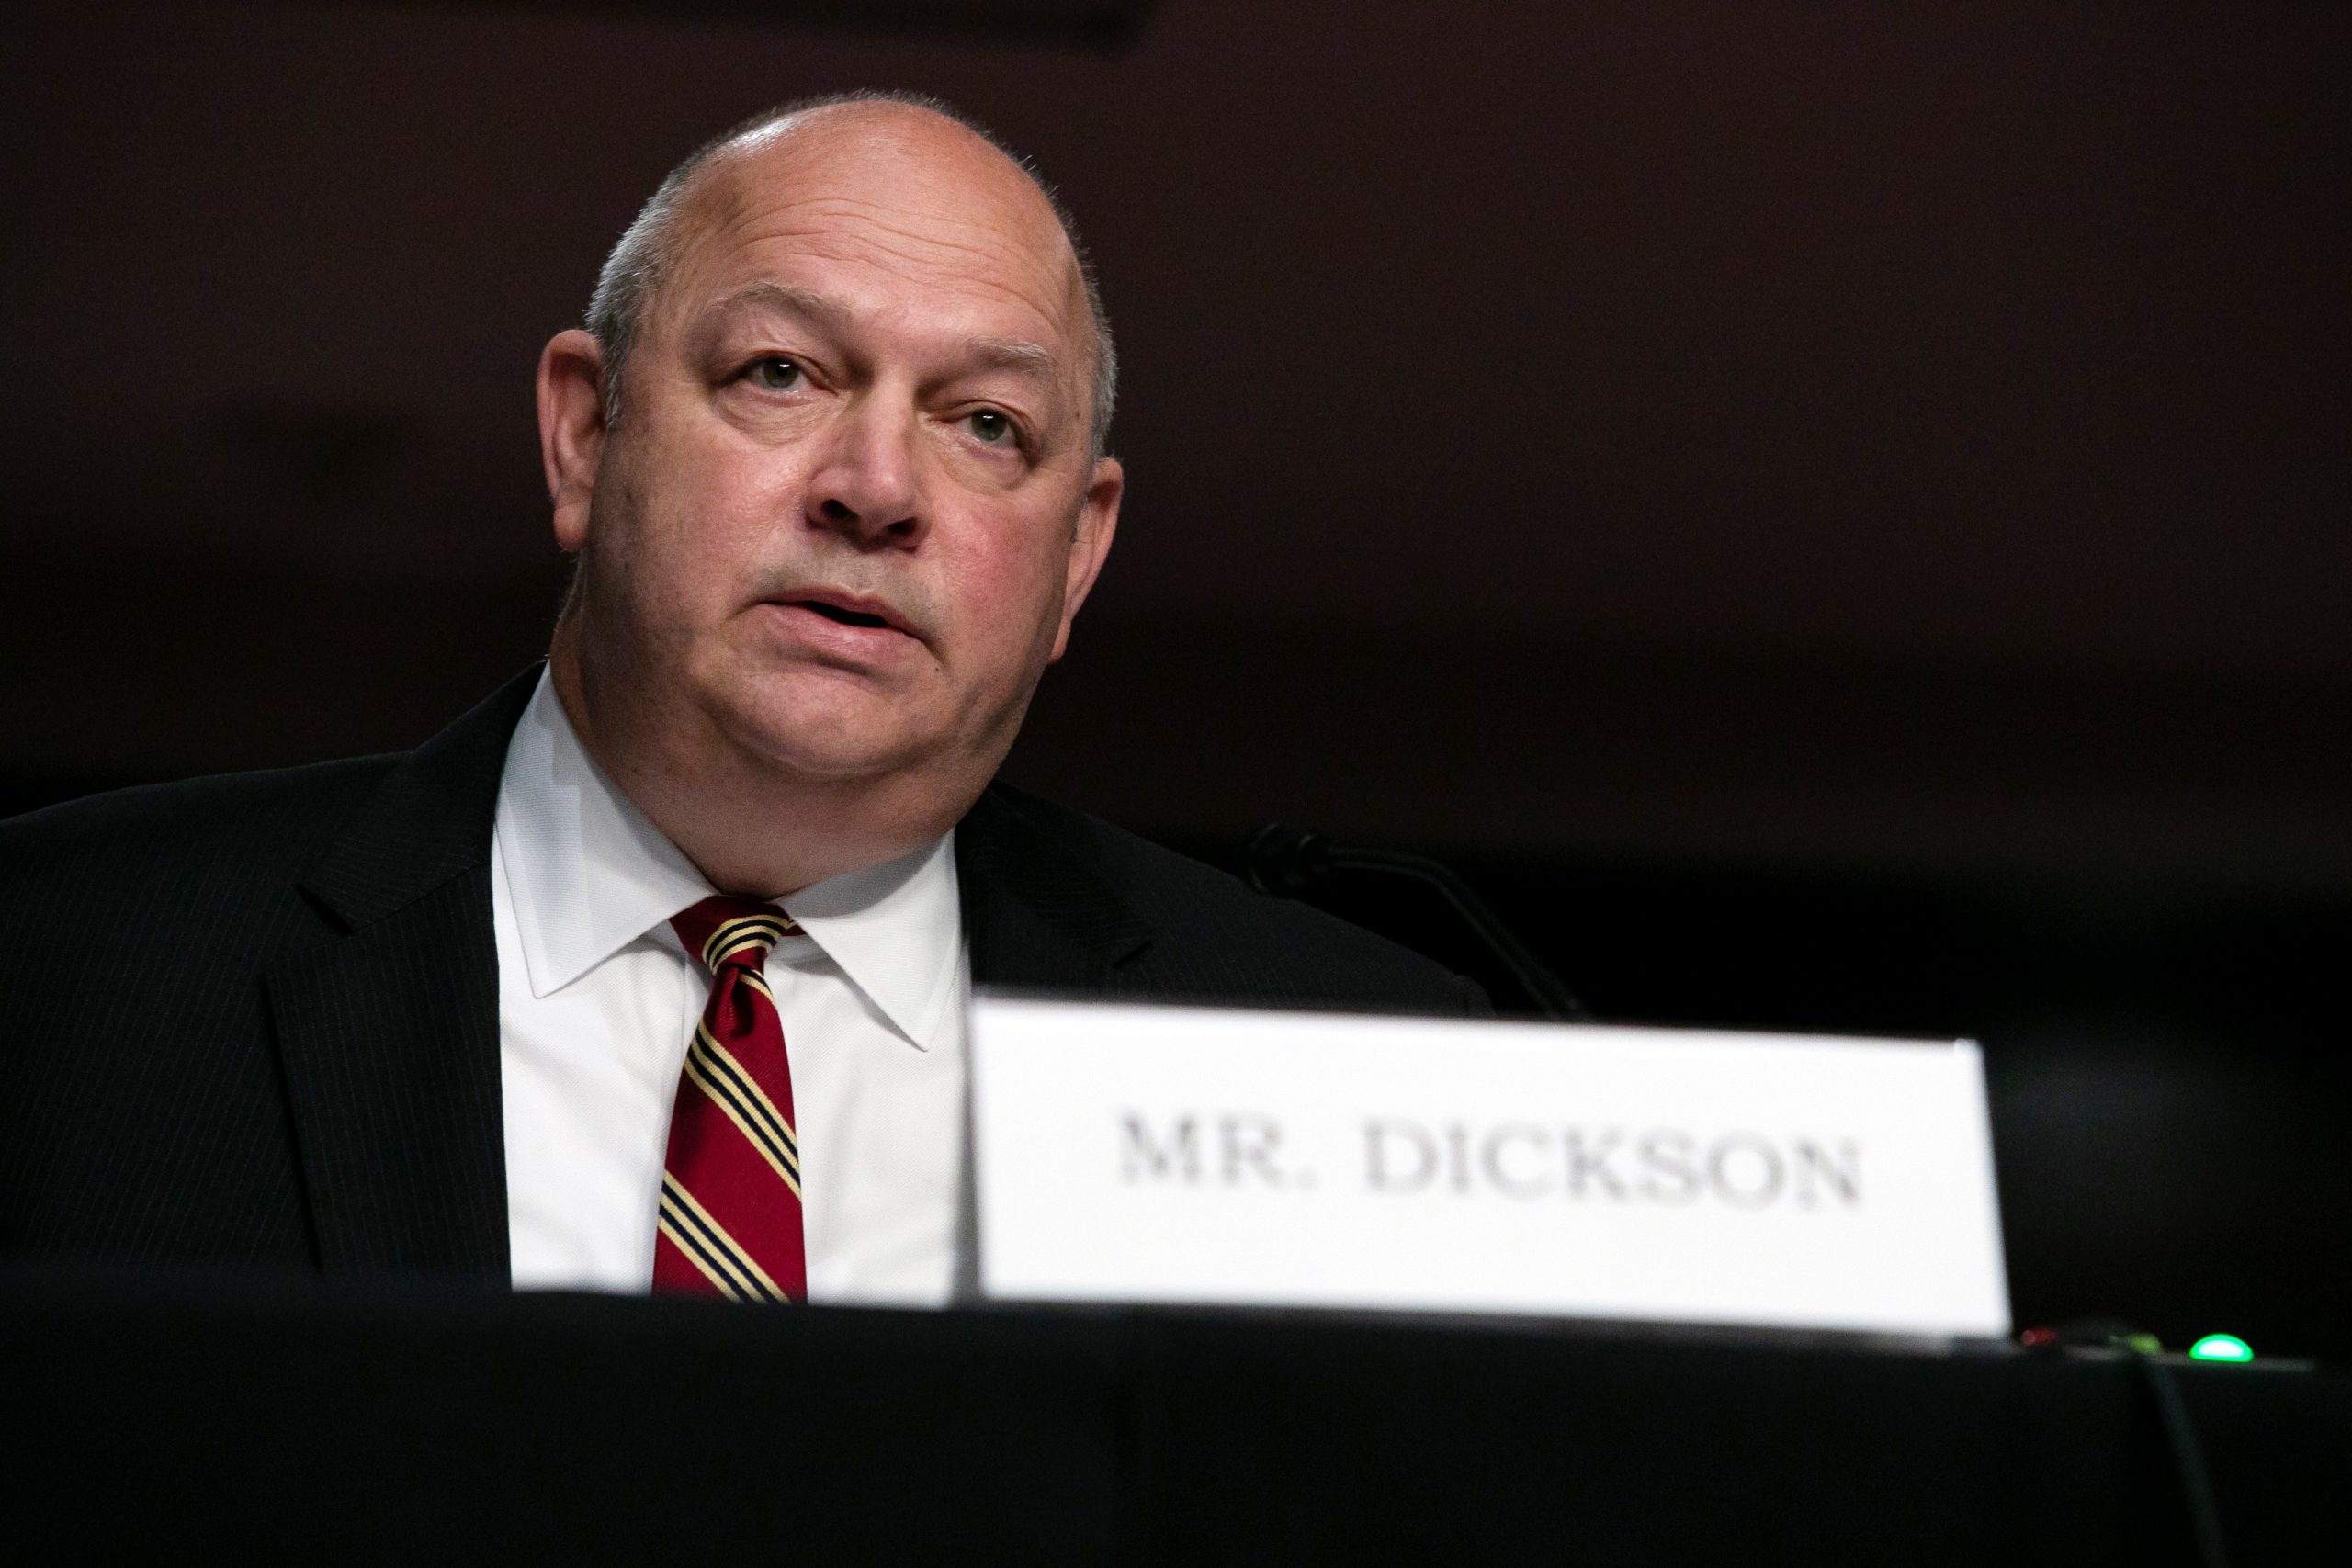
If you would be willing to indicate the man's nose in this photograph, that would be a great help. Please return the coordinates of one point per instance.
(865, 486)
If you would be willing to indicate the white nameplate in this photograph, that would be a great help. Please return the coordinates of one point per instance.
(1197, 1155)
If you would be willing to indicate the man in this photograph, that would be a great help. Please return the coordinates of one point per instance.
(650, 970)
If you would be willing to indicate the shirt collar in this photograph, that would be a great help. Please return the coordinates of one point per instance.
(897, 930)
(589, 874)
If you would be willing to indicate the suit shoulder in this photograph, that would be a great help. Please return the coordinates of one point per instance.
(129, 835)
(1251, 947)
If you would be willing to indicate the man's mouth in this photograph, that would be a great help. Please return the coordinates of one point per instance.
(846, 609)
(847, 617)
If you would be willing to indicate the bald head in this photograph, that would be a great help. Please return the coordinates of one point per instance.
(901, 148)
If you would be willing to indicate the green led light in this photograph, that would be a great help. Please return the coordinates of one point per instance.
(2222, 1348)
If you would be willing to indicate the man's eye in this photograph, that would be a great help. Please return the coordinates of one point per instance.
(774, 374)
(993, 429)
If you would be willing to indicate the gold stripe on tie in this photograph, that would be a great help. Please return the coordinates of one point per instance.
(744, 930)
(706, 1244)
(758, 947)
(774, 1145)
(758, 1103)
(687, 1247)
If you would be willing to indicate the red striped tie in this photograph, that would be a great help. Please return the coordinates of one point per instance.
(729, 1220)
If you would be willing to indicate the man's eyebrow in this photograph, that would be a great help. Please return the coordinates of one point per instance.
(989, 352)
(1013, 353)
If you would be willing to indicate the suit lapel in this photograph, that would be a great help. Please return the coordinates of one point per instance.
(1036, 915)
(389, 1031)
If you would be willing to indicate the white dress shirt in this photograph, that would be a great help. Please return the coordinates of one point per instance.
(597, 999)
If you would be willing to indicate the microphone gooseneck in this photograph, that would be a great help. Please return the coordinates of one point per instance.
(1290, 863)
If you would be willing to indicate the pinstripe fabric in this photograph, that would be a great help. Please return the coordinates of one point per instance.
(301, 1070)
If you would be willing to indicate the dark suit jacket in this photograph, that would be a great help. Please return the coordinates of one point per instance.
(252, 1021)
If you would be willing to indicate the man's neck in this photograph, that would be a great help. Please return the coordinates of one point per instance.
(750, 827)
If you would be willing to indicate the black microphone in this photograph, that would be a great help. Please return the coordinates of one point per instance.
(1290, 862)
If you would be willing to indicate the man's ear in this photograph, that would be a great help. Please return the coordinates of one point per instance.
(572, 428)
(1098, 520)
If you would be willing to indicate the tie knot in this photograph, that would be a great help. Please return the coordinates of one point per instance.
(724, 931)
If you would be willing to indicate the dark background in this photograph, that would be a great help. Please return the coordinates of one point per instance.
(1831, 514)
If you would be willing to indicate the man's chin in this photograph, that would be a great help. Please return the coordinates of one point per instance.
(829, 738)
(818, 763)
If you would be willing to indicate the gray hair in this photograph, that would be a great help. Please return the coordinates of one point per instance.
(642, 259)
